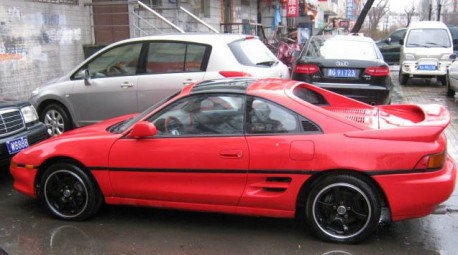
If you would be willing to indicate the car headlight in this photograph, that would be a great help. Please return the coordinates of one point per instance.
(409, 56)
(446, 57)
(29, 113)
(35, 92)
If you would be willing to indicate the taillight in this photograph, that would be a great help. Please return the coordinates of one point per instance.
(229, 74)
(306, 68)
(433, 161)
(378, 71)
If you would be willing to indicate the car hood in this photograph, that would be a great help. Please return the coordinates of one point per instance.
(6, 102)
(97, 129)
(88, 144)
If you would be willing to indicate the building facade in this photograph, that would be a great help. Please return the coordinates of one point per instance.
(41, 40)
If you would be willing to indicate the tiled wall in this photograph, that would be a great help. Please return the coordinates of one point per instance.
(39, 42)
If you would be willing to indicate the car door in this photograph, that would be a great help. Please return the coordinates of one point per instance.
(199, 156)
(278, 156)
(168, 67)
(112, 88)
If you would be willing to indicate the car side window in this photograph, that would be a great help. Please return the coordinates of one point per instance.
(174, 57)
(265, 117)
(397, 36)
(202, 115)
(119, 61)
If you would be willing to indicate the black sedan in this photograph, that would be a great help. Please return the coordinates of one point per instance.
(350, 65)
(19, 128)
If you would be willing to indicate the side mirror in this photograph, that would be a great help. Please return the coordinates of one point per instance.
(452, 57)
(401, 42)
(87, 78)
(143, 129)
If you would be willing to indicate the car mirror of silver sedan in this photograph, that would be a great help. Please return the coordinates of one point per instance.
(86, 76)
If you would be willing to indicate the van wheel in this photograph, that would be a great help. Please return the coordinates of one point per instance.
(403, 78)
(442, 79)
(56, 119)
(450, 91)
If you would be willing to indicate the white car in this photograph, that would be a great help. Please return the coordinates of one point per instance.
(425, 51)
(130, 75)
(452, 78)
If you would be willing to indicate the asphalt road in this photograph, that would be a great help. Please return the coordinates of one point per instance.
(26, 228)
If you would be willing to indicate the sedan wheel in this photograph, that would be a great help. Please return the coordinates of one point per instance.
(56, 119)
(69, 193)
(343, 209)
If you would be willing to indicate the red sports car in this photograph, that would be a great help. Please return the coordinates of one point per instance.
(267, 147)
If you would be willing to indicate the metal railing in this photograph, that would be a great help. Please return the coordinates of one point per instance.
(144, 20)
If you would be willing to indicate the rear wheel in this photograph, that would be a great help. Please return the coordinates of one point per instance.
(442, 79)
(56, 119)
(403, 78)
(69, 193)
(450, 91)
(343, 208)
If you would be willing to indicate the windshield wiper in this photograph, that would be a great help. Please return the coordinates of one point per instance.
(266, 63)
(415, 44)
(436, 44)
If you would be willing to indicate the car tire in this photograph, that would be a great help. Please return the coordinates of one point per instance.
(450, 91)
(69, 193)
(342, 208)
(56, 119)
(442, 79)
(403, 78)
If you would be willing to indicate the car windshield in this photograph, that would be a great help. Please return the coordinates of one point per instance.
(124, 125)
(428, 38)
(341, 49)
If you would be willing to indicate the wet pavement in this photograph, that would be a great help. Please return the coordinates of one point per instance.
(26, 228)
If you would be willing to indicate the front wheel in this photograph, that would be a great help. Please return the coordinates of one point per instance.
(403, 78)
(343, 209)
(56, 119)
(69, 193)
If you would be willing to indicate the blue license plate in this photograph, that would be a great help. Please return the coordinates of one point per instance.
(17, 145)
(342, 73)
(427, 67)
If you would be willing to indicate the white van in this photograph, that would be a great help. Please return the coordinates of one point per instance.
(425, 51)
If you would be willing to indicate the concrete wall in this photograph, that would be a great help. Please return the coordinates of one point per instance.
(39, 42)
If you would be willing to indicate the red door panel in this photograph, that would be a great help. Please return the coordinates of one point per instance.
(195, 170)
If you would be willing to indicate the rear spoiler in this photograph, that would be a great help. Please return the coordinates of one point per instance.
(422, 123)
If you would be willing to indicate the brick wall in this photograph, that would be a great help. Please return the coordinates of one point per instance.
(39, 42)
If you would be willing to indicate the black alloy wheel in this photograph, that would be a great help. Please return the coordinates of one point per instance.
(343, 209)
(69, 193)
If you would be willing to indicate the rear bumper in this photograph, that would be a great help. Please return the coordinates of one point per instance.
(375, 95)
(418, 194)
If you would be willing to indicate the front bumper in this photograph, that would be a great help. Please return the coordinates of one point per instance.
(36, 133)
(417, 194)
(411, 67)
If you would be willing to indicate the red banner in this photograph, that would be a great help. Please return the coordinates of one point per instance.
(292, 8)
